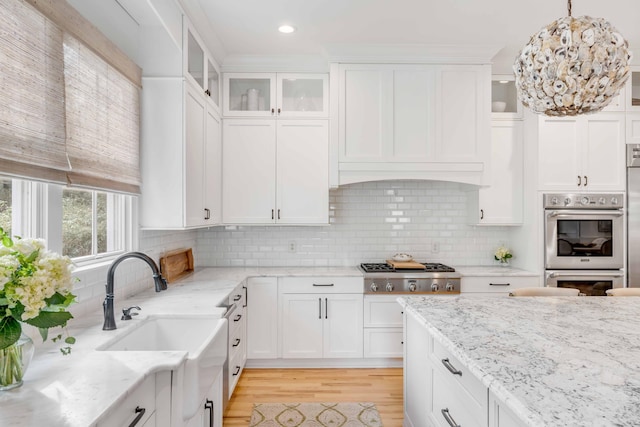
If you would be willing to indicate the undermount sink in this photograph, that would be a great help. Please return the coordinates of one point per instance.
(203, 337)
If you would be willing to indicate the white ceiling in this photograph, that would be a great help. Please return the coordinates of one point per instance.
(248, 27)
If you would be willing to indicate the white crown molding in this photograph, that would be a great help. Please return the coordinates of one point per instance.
(275, 63)
(411, 53)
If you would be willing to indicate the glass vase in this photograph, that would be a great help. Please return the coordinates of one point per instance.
(504, 262)
(14, 361)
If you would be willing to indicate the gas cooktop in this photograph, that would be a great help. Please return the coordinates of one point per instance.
(384, 267)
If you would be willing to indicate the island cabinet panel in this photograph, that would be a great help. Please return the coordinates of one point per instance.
(500, 415)
(417, 373)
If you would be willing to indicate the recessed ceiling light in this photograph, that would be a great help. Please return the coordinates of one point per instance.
(286, 29)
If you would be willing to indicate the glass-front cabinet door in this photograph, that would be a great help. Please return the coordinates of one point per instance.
(249, 94)
(275, 95)
(633, 90)
(303, 95)
(200, 68)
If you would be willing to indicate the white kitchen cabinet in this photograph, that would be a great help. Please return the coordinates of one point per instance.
(500, 415)
(237, 354)
(496, 285)
(382, 326)
(199, 66)
(275, 172)
(413, 121)
(139, 408)
(584, 153)
(181, 144)
(632, 91)
(633, 128)
(503, 90)
(262, 318)
(417, 373)
(276, 95)
(321, 317)
(211, 410)
(501, 203)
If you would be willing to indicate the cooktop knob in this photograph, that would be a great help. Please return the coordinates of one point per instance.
(374, 287)
(434, 287)
(449, 287)
(389, 287)
(412, 287)
(585, 201)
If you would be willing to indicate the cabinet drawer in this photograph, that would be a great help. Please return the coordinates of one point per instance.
(236, 365)
(143, 396)
(383, 342)
(238, 296)
(459, 405)
(382, 311)
(498, 284)
(442, 358)
(324, 285)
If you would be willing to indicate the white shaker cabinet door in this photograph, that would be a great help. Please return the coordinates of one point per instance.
(302, 172)
(343, 333)
(249, 165)
(262, 318)
(301, 325)
(194, 158)
(604, 152)
(559, 154)
(213, 169)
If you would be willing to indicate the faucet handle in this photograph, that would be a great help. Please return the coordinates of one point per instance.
(126, 312)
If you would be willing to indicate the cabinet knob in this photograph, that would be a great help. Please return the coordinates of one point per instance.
(278, 111)
(273, 110)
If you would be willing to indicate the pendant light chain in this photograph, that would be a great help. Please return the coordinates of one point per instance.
(569, 7)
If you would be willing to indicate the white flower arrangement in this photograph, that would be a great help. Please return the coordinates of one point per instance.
(503, 254)
(35, 288)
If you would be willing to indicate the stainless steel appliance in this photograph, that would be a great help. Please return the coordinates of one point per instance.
(633, 215)
(382, 278)
(589, 282)
(584, 231)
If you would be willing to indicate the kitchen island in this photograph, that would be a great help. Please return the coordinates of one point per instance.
(546, 361)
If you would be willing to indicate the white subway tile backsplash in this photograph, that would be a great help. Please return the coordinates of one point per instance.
(369, 222)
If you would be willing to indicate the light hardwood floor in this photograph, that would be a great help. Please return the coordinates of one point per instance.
(380, 386)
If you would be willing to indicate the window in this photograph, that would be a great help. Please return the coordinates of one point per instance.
(85, 225)
(5, 205)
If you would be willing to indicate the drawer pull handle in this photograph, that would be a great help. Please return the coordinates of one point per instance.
(140, 411)
(237, 318)
(499, 284)
(246, 295)
(237, 298)
(208, 406)
(447, 416)
(323, 284)
(450, 367)
(237, 371)
(236, 343)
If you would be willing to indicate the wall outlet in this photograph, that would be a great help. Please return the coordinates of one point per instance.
(435, 247)
(292, 247)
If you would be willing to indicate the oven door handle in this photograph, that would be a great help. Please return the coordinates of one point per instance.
(584, 274)
(572, 214)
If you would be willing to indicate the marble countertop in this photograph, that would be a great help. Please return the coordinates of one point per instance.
(78, 389)
(554, 361)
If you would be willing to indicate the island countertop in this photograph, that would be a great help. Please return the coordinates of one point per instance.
(569, 361)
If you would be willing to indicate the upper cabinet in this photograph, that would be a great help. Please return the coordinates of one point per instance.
(633, 91)
(583, 153)
(181, 144)
(200, 68)
(276, 95)
(412, 122)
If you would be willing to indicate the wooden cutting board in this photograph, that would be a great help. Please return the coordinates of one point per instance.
(405, 265)
(176, 264)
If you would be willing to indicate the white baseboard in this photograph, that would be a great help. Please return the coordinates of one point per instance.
(325, 363)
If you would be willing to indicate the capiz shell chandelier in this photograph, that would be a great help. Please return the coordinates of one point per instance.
(572, 66)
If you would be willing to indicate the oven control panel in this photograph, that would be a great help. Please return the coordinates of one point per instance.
(584, 201)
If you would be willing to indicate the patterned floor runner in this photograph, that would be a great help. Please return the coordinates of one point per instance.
(315, 415)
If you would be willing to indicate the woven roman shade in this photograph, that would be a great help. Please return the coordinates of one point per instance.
(32, 115)
(102, 122)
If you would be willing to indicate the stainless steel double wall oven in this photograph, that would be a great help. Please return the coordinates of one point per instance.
(584, 241)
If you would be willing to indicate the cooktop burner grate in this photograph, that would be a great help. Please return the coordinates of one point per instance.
(383, 267)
